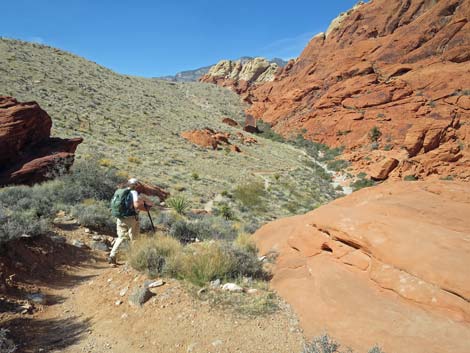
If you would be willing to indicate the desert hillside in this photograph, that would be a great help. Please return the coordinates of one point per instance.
(135, 125)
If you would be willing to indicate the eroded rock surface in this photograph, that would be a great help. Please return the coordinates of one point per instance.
(400, 66)
(388, 265)
(27, 152)
(241, 75)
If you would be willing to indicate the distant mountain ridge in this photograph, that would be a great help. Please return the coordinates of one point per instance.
(194, 75)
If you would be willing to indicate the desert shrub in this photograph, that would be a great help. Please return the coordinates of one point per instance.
(326, 344)
(184, 231)
(150, 255)
(322, 344)
(167, 219)
(224, 211)
(6, 344)
(28, 209)
(362, 183)
(374, 134)
(243, 263)
(410, 178)
(205, 228)
(338, 164)
(267, 132)
(251, 226)
(245, 242)
(178, 203)
(144, 221)
(89, 181)
(201, 263)
(95, 215)
(250, 194)
(209, 228)
(14, 224)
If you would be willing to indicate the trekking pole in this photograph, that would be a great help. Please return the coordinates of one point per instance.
(150, 217)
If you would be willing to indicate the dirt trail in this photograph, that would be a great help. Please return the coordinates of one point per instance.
(90, 312)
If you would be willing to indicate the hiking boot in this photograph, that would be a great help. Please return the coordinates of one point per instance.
(112, 260)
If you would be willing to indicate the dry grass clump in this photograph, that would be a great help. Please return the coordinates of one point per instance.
(150, 254)
(246, 242)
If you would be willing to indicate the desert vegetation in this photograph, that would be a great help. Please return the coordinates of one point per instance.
(133, 125)
(326, 344)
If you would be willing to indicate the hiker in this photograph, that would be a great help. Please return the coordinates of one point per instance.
(125, 206)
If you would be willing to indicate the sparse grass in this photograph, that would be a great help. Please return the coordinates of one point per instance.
(264, 302)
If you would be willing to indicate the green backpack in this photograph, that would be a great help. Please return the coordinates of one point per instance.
(122, 204)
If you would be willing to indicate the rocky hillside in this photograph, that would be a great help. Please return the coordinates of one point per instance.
(240, 75)
(195, 75)
(389, 82)
(135, 125)
(386, 265)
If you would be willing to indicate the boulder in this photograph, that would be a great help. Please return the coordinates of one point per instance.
(381, 170)
(207, 138)
(230, 122)
(27, 152)
(390, 262)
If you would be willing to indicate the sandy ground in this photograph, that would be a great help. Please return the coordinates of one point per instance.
(87, 310)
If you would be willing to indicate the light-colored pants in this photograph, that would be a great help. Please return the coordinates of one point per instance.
(128, 228)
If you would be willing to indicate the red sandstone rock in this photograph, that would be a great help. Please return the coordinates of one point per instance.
(207, 138)
(235, 148)
(390, 262)
(230, 122)
(381, 170)
(27, 154)
(154, 190)
(399, 65)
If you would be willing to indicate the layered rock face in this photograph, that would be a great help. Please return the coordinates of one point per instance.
(241, 75)
(402, 66)
(27, 152)
(387, 265)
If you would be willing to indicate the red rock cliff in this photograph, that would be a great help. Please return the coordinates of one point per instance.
(399, 65)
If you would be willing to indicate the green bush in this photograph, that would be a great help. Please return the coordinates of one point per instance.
(362, 183)
(338, 165)
(267, 132)
(250, 194)
(150, 255)
(28, 209)
(184, 231)
(410, 178)
(206, 228)
(95, 216)
(374, 134)
(20, 222)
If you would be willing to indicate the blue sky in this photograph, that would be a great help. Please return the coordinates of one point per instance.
(155, 38)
